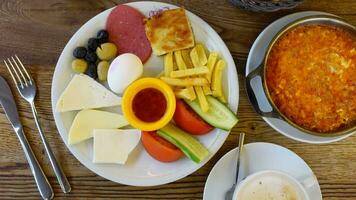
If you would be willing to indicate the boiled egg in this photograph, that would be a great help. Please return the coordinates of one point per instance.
(123, 70)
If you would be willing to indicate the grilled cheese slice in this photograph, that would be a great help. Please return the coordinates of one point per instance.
(169, 31)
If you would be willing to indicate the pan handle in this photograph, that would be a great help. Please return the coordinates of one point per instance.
(252, 97)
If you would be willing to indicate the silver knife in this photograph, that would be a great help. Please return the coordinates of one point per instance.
(8, 103)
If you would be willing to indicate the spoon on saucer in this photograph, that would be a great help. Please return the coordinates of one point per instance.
(230, 192)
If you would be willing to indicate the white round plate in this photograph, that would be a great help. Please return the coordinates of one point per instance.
(257, 157)
(141, 169)
(255, 58)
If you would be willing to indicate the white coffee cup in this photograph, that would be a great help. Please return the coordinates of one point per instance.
(270, 184)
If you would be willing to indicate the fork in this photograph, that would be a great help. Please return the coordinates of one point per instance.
(27, 89)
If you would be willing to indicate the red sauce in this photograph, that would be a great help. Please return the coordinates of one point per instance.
(149, 105)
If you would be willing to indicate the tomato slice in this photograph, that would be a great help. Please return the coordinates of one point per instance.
(159, 148)
(189, 121)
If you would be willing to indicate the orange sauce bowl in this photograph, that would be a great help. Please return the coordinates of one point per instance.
(129, 103)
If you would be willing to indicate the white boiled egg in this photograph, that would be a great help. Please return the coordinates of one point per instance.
(123, 70)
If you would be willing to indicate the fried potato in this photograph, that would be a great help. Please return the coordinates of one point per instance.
(207, 90)
(168, 64)
(189, 72)
(213, 56)
(216, 82)
(201, 54)
(222, 98)
(185, 82)
(186, 93)
(186, 58)
(160, 74)
(204, 105)
(195, 58)
(179, 60)
(192, 92)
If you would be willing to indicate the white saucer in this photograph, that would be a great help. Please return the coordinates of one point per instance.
(258, 157)
(255, 58)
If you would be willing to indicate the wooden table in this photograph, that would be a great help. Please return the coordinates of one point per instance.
(38, 31)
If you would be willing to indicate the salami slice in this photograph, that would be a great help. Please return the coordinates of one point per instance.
(126, 30)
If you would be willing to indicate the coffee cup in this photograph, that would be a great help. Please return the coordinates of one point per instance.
(270, 185)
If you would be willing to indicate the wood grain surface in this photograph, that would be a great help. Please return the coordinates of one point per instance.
(38, 30)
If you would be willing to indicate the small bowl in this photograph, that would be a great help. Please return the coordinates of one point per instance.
(261, 71)
(138, 86)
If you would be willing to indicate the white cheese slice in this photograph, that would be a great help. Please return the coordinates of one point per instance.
(114, 145)
(88, 120)
(84, 92)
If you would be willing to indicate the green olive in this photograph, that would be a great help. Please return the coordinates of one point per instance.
(79, 65)
(103, 68)
(106, 51)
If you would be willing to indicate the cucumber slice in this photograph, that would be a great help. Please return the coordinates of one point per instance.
(218, 115)
(190, 146)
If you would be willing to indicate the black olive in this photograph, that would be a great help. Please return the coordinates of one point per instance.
(91, 57)
(93, 43)
(103, 36)
(92, 71)
(80, 52)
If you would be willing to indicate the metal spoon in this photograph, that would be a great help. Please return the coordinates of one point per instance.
(230, 192)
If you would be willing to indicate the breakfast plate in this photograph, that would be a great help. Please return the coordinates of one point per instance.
(141, 169)
(255, 57)
(258, 157)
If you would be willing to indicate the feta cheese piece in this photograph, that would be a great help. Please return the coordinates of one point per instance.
(87, 120)
(114, 145)
(84, 92)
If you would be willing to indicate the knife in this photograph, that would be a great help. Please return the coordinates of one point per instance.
(8, 103)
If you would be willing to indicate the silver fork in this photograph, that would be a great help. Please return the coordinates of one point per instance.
(27, 88)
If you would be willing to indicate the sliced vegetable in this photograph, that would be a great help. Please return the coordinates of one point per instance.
(190, 146)
(159, 148)
(218, 115)
(189, 121)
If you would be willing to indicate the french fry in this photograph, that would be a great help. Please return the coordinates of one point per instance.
(222, 98)
(195, 58)
(185, 93)
(175, 67)
(185, 82)
(213, 56)
(192, 92)
(201, 54)
(186, 58)
(216, 82)
(179, 60)
(181, 72)
(204, 105)
(189, 72)
(207, 90)
(162, 73)
(168, 64)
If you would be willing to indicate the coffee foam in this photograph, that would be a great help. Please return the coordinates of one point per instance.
(270, 187)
